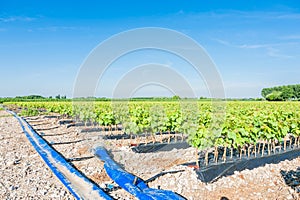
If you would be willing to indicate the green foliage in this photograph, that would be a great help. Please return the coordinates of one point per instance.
(29, 112)
(275, 96)
(282, 93)
(158, 118)
(176, 97)
(245, 123)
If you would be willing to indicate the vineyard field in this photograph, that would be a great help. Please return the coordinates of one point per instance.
(244, 123)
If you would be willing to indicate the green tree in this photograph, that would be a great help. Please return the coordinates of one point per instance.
(281, 93)
(286, 93)
(176, 97)
(274, 96)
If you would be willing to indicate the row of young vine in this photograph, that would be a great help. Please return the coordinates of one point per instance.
(245, 123)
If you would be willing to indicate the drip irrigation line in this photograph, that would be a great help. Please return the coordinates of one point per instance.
(214, 171)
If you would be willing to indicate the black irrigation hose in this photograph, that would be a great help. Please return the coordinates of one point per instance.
(214, 171)
(149, 148)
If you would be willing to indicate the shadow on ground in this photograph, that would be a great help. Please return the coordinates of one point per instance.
(292, 178)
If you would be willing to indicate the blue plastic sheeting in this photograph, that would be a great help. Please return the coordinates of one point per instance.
(131, 183)
(52, 158)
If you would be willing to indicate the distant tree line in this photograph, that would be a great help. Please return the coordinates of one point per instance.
(33, 98)
(282, 93)
(64, 98)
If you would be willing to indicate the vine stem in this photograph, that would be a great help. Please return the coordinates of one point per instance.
(216, 154)
(224, 154)
(241, 152)
(206, 158)
(160, 133)
(138, 140)
(130, 139)
(146, 139)
(269, 150)
(258, 150)
(249, 148)
(169, 139)
(153, 138)
(263, 148)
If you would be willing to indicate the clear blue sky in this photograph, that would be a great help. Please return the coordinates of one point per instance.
(254, 44)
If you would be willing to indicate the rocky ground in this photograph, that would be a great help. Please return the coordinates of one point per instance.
(25, 176)
(23, 173)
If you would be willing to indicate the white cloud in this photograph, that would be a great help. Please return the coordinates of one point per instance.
(57, 28)
(290, 37)
(254, 15)
(16, 18)
(250, 46)
(289, 16)
(253, 46)
(222, 42)
(269, 47)
(272, 52)
(243, 46)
